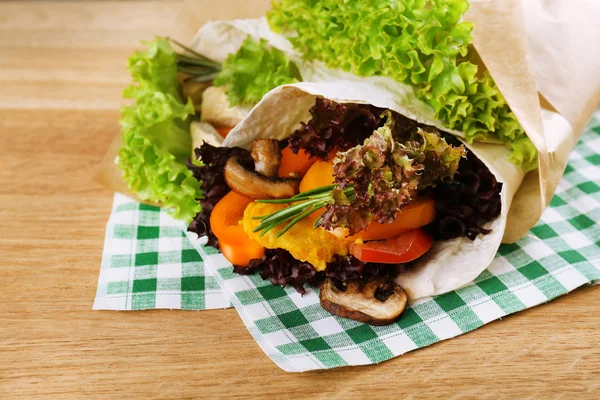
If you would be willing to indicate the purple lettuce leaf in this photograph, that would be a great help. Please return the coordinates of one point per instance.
(335, 126)
(467, 203)
(282, 269)
(386, 171)
(212, 183)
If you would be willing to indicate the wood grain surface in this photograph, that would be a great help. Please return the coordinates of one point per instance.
(62, 68)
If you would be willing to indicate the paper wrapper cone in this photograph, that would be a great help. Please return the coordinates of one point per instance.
(110, 176)
(541, 55)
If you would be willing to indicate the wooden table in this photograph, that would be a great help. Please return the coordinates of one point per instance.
(62, 68)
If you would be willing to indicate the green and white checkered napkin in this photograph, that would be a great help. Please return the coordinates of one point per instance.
(148, 262)
(561, 253)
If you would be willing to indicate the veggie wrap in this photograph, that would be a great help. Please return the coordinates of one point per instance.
(449, 264)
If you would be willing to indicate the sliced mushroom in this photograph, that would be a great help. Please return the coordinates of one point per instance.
(377, 301)
(266, 156)
(256, 186)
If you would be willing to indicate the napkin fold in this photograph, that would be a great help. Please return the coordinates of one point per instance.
(148, 262)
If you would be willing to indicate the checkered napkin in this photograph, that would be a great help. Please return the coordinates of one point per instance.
(561, 253)
(148, 262)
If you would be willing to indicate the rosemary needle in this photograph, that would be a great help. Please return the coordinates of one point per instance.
(283, 215)
(302, 205)
(194, 64)
(295, 221)
(197, 57)
(309, 194)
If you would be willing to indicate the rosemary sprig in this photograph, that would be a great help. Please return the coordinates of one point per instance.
(199, 67)
(304, 204)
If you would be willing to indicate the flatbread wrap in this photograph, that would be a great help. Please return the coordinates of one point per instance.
(287, 111)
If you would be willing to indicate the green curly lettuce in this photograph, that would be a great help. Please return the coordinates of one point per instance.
(254, 70)
(423, 43)
(155, 133)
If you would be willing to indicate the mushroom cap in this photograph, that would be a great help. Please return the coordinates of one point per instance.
(377, 301)
(252, 184)
(267, 156)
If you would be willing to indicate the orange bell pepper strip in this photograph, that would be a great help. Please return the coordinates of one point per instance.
(241, 254)
(331, 155)
(235, 244)
(320, 174)
(226, 215)
(224, 130)
(294, 163)
(418, 213)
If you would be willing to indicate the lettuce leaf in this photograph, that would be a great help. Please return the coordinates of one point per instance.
(334, 127)
(423, 43)
(467, 203)
(253, 71)
(155, 133)
(208, 169)
(386, 171)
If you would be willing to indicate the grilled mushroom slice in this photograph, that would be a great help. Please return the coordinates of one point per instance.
(253, 185)
(266, 156)
(378, 301)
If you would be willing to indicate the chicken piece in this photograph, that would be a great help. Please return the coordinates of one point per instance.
(204, 132)
(215, 109)
(192, 90)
